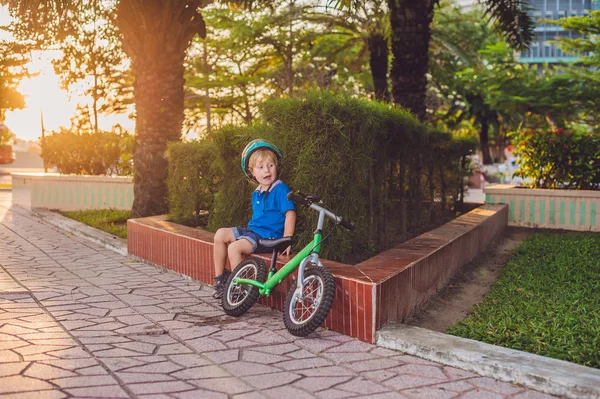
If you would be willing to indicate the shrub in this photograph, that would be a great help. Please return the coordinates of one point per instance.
(370, 162)
(558, 158)
(101, 153)
(193, 178)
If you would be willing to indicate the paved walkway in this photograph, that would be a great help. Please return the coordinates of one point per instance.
(78, 320)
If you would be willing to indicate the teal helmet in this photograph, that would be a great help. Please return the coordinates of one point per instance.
(253, 146)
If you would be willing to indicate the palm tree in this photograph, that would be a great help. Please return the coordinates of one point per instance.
(366, 27)
(410, 23)
(155, 35)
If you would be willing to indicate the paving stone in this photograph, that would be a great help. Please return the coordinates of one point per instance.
(225, 356)
(379, 375)
(271, 380)
(288, 392)
(250, 395)
(315, 384)
(87, 381)
(47, 372)
(195, 332)
(206, 344)
(348, 357)
(140, 347)
(199, 393)
(227, 385)
(8, 369)
(331, 371)
(18, 383)
(429, 392)
(481, 394)
(362, 386)
(242, 368)
(334, 394)
(375, 364)
(172, 349)
(300, 364)
(494, 385)
(263, 358)
(160, 387)
(193, 373)
(159, 368)
(95, 370)
(434, 372)
(113, 391)
(409, 381)
(53, 394)
(138, 377)
(189, 360)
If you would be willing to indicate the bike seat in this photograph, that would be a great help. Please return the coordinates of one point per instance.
(279, 244)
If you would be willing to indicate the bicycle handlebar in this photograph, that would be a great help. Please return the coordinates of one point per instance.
(308, 201)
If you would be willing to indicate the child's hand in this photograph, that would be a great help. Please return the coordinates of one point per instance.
(286, 251)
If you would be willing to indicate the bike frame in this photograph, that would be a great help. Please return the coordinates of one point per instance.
(308, 254)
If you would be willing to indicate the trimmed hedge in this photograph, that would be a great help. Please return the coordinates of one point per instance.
(370, 162)
(193, 179)
(101, 153)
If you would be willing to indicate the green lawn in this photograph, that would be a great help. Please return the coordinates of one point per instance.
(110, 220)
(546, 300)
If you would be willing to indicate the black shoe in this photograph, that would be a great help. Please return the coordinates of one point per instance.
(219, 285)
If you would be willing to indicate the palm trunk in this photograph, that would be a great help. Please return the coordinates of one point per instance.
(410, 22)
(378, 61)
(156, 35)
(158, 91)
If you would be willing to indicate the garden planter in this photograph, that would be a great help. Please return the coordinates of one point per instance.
(382, 289)
(547, 208)
(71, 192)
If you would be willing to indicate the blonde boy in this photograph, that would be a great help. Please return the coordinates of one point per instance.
(273, 215)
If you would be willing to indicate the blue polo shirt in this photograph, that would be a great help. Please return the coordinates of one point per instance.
(268, 210)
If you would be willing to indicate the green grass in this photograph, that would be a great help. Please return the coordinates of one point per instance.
(546, 300)
(110, 220)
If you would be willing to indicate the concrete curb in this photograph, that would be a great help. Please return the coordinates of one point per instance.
(107, 240)
(544, 374)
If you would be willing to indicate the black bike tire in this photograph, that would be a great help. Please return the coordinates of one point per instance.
(253, 295)
(303, 329)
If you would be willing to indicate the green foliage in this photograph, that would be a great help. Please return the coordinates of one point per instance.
(192, 182)
(109, 220)
(102, 153)
(546, 300)
(360, 157)
(13, 58)
(558, 158)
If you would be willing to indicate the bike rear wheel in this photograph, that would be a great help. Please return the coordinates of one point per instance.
(304, 312)
(239, 298)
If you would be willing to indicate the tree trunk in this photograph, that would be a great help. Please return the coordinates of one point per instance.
(158, 91)
(156, 35)
(378, 61)
(410, 22)
(484, 142)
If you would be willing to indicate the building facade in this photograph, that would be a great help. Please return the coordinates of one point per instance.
(541, 49)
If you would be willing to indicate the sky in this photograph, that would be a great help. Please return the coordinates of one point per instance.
(44, 95)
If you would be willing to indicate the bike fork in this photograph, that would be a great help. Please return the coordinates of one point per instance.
(312, 258)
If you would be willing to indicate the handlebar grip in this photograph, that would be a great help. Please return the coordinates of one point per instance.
(347, 225)
(292, 196)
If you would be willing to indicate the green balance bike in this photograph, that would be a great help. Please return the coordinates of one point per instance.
(309, 301)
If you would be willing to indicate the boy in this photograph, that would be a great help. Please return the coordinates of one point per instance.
(273, 215)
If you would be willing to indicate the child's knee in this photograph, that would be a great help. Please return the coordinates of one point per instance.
(240, 248)
(224, 235)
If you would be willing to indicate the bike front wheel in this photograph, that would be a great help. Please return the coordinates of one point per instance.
(239, 298)
(305, 311)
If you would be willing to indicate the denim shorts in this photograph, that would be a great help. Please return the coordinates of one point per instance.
(244, 232)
